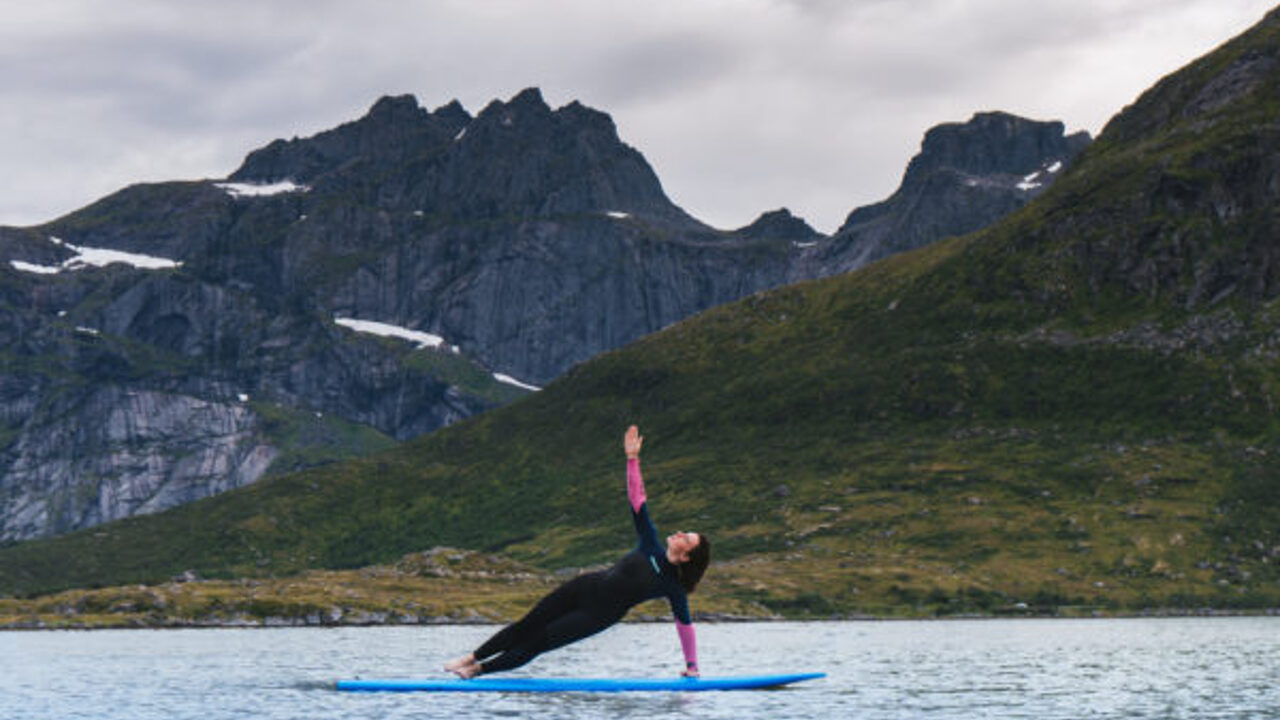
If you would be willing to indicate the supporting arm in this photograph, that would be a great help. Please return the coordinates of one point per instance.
(689, 645)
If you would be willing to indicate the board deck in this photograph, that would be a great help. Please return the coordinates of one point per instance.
(525, 684)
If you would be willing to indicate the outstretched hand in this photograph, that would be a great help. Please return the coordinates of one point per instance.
(632, 441)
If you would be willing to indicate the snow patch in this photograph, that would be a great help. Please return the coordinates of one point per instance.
(461, 134)
(87, 330)
(512, 381)
(618, 215)
(243, 190)
(242, 397)
(101, 257)
(805, 245)
(1055, 167)
(1029, 182)
(95, 257)
(33, 268)
(423, 339)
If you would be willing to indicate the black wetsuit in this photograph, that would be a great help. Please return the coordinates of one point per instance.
(592, 602)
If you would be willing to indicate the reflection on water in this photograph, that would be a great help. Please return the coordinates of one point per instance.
(1042, 669)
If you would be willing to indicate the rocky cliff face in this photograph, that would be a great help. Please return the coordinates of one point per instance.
(178, 339)
(153, 450)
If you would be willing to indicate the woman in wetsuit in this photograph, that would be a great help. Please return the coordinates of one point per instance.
(592, 602)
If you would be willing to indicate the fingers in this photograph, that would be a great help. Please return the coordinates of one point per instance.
(632, 441)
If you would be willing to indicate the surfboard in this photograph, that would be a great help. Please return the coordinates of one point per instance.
(526, 684)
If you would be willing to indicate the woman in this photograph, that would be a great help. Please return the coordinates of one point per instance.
(592, 602)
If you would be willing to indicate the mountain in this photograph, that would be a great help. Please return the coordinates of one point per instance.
(966, 176)
(176, 340)
(1071, 411)
(179, 339)
(783, 225)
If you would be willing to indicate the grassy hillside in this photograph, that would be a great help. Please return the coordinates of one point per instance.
(1073, 410)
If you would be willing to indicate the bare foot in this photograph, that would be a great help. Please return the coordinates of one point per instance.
(457, 665)
(466, 672)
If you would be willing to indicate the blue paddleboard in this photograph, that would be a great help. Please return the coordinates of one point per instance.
(525, 684)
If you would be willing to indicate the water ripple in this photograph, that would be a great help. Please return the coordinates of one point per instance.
(1166, 669)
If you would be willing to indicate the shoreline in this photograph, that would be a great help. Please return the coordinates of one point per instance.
(361, 620)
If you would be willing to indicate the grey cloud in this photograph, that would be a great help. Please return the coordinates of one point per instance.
(741, 105)
(656, 68)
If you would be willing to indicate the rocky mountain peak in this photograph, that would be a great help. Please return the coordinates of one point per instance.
(529, 116)
(395, 128)
(966, 176)
(396, 109)
(521, 157)
(452, 115)
(994, 142)
(529, 99)
(517, 157)
(780, 224)
(523, 113)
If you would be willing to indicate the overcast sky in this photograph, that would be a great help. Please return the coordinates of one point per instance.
(741, 106)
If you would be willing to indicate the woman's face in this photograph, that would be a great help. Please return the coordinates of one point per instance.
(680, 544)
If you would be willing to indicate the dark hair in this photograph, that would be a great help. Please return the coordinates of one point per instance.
(690, 571)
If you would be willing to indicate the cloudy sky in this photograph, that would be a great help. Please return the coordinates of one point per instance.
(741, 106)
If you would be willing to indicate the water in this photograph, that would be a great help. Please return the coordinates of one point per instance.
(1042, 669)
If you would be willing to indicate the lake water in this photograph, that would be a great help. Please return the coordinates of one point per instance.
(1043, 669)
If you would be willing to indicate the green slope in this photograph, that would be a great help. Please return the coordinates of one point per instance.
(1073, 408)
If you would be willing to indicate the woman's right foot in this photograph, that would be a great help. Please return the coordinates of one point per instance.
(460, 665)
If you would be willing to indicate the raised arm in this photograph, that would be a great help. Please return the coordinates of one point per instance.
(646, 533)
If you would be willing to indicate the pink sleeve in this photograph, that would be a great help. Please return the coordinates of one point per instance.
(688, 644)
(635, 484)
